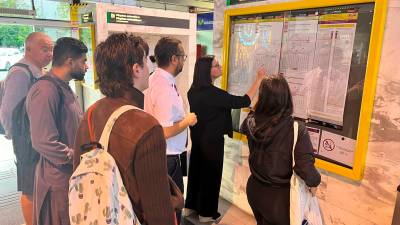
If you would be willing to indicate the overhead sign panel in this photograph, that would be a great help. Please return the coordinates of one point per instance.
(135, 19)
(205, 21)
(87, 17)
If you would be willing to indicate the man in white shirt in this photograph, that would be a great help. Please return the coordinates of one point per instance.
(163, 101)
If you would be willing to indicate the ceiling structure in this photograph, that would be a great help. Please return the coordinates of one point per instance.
(195, 6)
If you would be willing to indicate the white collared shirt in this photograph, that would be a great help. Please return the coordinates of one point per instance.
(163, 101)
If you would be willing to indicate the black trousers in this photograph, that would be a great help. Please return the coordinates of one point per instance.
(205, 173)
(270, 205)
(175, 171)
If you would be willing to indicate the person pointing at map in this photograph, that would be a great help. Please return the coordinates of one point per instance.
(213, 109)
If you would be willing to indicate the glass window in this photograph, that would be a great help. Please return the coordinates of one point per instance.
(85, 35)
(45, 9)
(52, 10)
(16, 4)
(55, 32)
(12, 38)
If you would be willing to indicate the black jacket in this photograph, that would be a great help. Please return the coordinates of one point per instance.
(270, 157)
(212, 107)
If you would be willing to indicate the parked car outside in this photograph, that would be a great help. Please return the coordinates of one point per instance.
(8, 57)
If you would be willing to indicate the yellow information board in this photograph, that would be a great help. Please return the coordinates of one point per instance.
(336, 41)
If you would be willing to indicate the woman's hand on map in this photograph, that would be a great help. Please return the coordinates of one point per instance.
(261, 73)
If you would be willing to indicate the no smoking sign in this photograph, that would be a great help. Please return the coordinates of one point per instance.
(328, 145)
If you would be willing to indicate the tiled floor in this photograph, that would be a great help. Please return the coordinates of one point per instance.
(231, 215)
(10, 211)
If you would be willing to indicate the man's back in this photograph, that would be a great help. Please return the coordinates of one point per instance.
(16, 87)
(53, 127)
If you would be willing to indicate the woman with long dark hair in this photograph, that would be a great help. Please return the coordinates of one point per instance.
(270, 133)
(213, 109)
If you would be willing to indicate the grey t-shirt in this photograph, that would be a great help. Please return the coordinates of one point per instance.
(17, 84)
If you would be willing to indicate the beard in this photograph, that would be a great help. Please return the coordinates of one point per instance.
(178, 70)
(78, 75)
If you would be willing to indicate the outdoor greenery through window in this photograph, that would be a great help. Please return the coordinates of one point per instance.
(14, 35)
(12, 38)
(16, 4)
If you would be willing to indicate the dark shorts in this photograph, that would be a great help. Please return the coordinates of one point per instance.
(25, 178)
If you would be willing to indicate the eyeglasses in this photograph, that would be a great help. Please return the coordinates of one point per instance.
(184, 57)
(218, 65)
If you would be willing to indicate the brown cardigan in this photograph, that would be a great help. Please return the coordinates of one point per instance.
(138, 146)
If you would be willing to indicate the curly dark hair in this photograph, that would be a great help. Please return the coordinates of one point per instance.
(114, 59)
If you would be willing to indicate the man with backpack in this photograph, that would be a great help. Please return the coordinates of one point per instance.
(136, 141)
(54, 115)
(15, 87)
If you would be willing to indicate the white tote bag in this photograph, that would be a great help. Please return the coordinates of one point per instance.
(299, 193)
(312, 212)
(304, 208)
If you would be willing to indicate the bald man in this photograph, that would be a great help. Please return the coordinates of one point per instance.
(20, 77)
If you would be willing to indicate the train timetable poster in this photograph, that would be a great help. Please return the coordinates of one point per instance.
(254, 43)
(322, 54)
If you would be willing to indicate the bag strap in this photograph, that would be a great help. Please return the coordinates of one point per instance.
(25, 66)
(89, 119)
(295, 135)
(61, 97)
(105, 136)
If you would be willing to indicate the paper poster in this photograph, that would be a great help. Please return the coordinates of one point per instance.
(337, 147)
(297, 57)
(334, 49)
(254, 43)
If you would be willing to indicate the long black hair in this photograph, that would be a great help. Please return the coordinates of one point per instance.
(202, 72)
(274, 102)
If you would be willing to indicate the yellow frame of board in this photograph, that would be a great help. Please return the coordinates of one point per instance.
(371, 74)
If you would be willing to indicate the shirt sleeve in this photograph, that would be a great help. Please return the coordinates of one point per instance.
(304, 159)
(163, 104)
(150, 169)
(16, 88)
(42, 105)
(223, 99)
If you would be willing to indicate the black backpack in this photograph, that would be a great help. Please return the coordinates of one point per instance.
(21, 134)
(3, 87)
